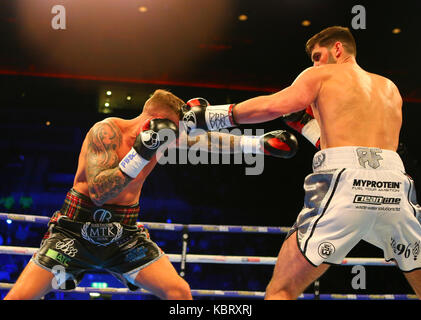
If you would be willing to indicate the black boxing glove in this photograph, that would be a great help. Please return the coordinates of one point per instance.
(303, 122)
(153, 134)
(279, 143)
(189, 117)
(198, 114)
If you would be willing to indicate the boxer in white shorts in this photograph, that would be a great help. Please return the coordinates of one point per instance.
(358, 193)
(359, 189)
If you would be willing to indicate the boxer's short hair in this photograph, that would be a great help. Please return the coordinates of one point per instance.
(328, 37)
(164, 99)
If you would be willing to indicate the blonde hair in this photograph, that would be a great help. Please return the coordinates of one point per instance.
(162, 99)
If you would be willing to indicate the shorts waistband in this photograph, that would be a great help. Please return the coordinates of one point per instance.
(355, 157)
(79, 207)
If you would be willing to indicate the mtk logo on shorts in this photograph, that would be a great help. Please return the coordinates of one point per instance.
(102, 234)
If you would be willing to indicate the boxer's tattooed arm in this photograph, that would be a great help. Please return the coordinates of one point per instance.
(105, 179)
(216, 142)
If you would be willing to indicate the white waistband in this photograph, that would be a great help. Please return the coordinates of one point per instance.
(357, 158)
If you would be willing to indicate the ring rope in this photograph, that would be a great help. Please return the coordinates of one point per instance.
(237, 294)
(196, 258)
(165, 226)
(201, 258)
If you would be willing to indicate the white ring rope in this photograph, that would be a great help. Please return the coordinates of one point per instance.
(215, 259)
(197, 292)
(165, 226)
(236, 293)
(192, 258)
(201, 258)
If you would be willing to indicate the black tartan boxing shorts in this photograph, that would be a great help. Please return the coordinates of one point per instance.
(82, 237)
(359, 193)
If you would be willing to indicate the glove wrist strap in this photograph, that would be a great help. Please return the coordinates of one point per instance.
(220, 117)
(251, 144)
(132, 163)
(311, 131)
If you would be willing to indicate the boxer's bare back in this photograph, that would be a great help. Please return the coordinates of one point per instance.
(356, 108)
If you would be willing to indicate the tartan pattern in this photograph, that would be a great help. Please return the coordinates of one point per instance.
(79, 207)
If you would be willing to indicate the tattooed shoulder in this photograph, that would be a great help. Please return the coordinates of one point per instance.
(104, 139)
(105, 180)
(104, 136)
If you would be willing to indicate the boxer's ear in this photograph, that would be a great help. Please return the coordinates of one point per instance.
(339, 49)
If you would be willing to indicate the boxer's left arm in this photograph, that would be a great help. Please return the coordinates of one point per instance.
(278, 143)
(301, 93)
(214, 142)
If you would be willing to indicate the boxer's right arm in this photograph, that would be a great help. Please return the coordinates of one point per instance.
(105, 179)
(107, 175)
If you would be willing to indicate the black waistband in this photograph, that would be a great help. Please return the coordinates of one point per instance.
(79, 207)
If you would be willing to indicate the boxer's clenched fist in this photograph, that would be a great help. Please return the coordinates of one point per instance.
(147, 142)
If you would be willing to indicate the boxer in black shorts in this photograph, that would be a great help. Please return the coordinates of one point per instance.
(96, 227)
(82, 237)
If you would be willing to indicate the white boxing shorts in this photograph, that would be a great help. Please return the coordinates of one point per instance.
(359, 193)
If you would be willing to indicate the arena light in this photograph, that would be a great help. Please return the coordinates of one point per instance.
(99, 285)
(47, 123)
(306, 23)
(109, 93)
(128, 98)
(106, 104)
(142, 9)
(242, 17)
(8, 221)
(396, 31)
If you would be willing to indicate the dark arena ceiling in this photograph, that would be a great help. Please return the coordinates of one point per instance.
(233, 44)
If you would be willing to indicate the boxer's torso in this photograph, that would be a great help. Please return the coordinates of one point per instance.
(125, 135)
(357, 108)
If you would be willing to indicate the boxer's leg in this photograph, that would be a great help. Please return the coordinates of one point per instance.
(292, 273)
(161, 278)
(414, 279)
(145, 265)
(33, 283)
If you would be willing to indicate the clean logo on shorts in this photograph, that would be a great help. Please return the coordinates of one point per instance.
(375, 200)
(326, 249)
